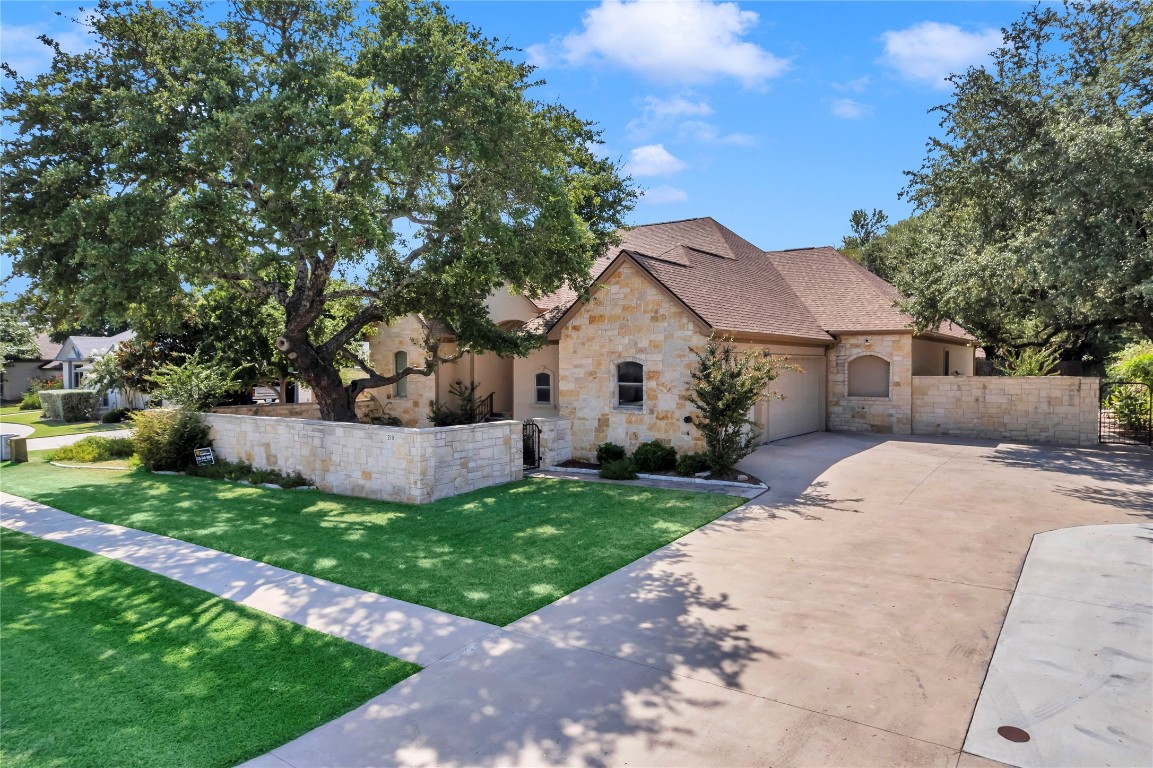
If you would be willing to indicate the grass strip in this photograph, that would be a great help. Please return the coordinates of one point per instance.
(107, 664)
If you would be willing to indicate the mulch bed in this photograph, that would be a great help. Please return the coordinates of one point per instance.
(731, 476)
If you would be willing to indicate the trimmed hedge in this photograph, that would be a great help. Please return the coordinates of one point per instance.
(69, 404)
(607, 452)
(692, 463)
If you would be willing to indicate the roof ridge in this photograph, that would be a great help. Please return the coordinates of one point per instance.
(673, 221)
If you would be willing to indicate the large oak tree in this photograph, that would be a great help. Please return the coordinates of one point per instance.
(304, 153)
(1038, 199)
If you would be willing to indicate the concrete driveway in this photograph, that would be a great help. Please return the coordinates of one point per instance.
(845, 618)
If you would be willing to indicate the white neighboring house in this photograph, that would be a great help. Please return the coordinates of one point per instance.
(77, 354)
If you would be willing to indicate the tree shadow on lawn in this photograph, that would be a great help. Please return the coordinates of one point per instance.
(106, 664)
(492, 555)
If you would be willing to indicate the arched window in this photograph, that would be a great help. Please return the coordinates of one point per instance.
(543, 388)
(868, 376)
(630, 385)
(400, 361)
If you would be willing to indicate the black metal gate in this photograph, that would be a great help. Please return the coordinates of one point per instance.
(1126, 413)
(531, 435)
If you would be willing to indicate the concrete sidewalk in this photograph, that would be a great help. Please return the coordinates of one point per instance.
(410, 632)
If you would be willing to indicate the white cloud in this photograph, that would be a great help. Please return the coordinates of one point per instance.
(930, 51)
(854, 86)
(664, 194)
(707, 133)
(848, 109)
(22, 51)
(660, 114)
(653, 160)
(693, 41)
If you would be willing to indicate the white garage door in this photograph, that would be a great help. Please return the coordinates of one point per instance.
(800, 411)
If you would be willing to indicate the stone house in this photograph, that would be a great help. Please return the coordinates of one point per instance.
(617, 364)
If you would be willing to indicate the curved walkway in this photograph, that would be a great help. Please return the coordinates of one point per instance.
(1073, 669)
(410, 632)
(19, 430)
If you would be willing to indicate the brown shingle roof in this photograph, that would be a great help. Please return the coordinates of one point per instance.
(844, 296)
(734, 286)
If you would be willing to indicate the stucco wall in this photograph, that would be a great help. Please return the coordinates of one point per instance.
(1043, 409)
(403, 335)
(391, 463)
(18, 377)
(888, 415)
(628, 319)
(929, 358)
(525, 369)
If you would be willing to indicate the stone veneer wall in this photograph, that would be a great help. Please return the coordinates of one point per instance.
(628, 319)
(1044, 409)
(555, 441)
(403, 335)
(888, 415)
(391, 463)
(282, 410)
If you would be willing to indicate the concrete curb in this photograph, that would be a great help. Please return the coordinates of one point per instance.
(670, 478)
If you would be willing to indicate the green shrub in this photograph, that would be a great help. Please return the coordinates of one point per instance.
(115, 416)
(619, 469)
(654, 457)
(607, 452)
(69, 404)
(692, 463)
(1134, 363)
(91, 449)
(239, 470)
(165, 440)
(30, 402)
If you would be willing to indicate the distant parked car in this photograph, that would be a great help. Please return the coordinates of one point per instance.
(264, 395)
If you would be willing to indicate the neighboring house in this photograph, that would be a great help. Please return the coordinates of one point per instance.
(78, 352)
(618, 364)
(18, 375)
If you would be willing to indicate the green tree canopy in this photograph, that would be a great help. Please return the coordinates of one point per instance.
(304, 152)
(1038, 200)
(17, 341)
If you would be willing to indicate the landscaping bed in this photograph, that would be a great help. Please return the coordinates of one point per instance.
(732, 476)
(107, 664)
(494, 555)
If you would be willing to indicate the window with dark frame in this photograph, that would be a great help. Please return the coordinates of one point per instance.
(630, 385)
(400, 388)
(946, 362)
(543, 388)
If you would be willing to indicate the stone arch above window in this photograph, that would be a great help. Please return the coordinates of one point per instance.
(400, 362)
(868, 376)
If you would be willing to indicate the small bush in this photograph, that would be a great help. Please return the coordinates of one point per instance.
(607, 452)
(239, 470)
(619, 469)
(654, 457)
(69, 405)
(115, 416)
(30, 402)
(691, 463)
(165, 440)
(92, 449)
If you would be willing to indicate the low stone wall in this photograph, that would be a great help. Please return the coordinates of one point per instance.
(279, 410)
(391, 463)
(1040, 409)
(555, 441)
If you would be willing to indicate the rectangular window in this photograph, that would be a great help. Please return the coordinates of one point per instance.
(947, 362)
(400, 388)
(543, 388)
(630, 385)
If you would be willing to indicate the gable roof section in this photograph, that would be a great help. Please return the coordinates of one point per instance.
(845, 297)
(88, 347)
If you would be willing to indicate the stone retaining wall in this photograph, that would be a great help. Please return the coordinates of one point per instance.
(555, 441)
(391, 463)
(1041, 409)
(281, 410)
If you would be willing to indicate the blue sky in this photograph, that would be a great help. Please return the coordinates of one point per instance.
(777, 119)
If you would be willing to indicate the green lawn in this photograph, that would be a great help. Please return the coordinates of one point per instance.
(109, 665)
(44, 428)
(494, 554)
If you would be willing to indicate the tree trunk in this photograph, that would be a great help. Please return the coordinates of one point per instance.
(282, 388)
(336, 401)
